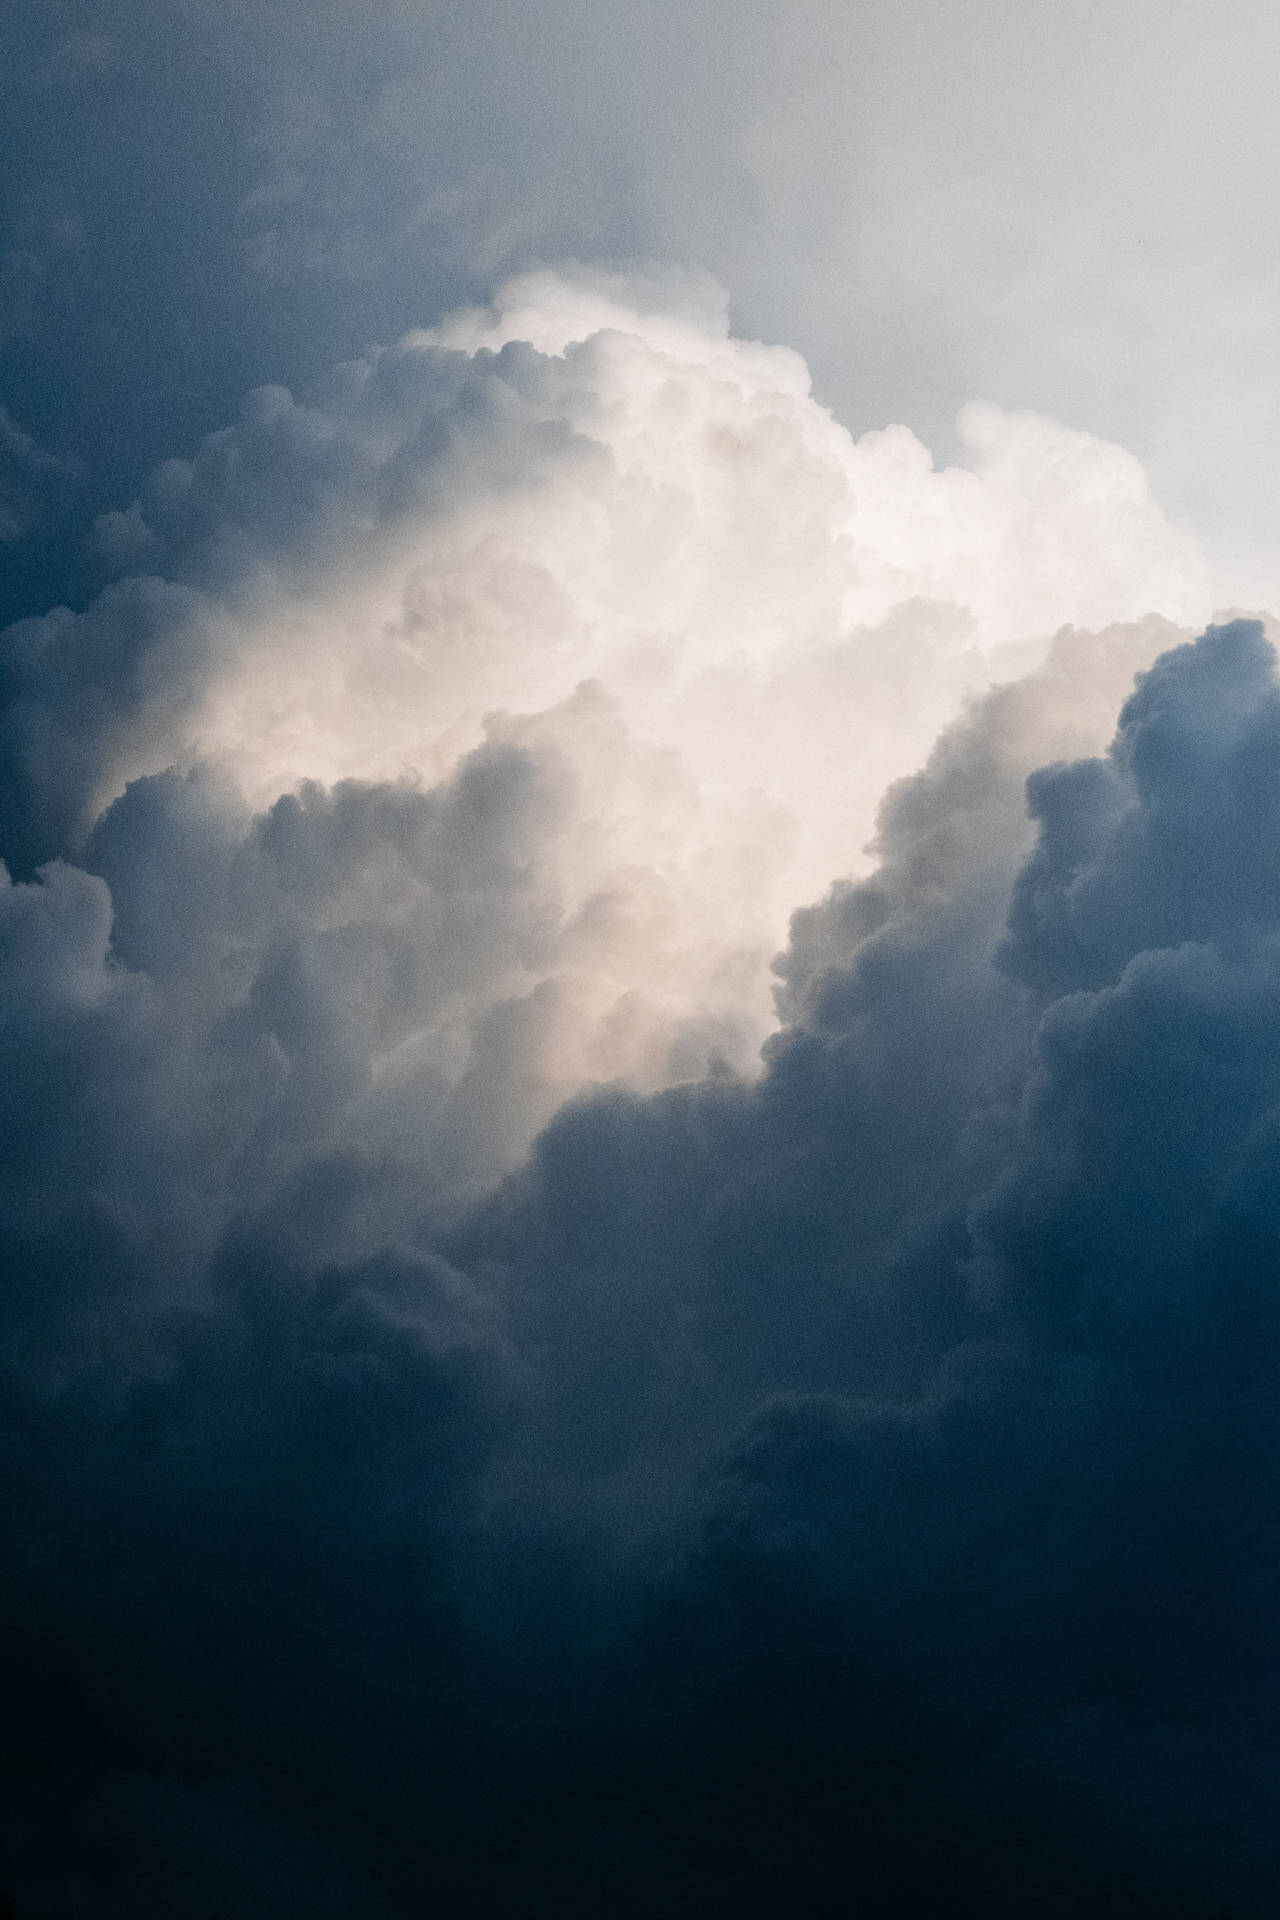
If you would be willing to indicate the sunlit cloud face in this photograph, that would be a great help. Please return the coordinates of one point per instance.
(610, 536)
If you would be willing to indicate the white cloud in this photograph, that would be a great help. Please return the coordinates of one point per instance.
(634, 552)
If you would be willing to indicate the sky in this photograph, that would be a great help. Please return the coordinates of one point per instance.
(640, 951)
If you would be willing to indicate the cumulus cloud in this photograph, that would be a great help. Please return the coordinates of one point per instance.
(588, 526)
(480, 1435)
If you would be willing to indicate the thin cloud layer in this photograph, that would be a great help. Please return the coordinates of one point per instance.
(477, 1438)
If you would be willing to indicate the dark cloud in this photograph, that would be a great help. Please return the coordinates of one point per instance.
(851, 1490)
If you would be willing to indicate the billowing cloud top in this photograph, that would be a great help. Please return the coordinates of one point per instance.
(482, 1437)
(631, 563)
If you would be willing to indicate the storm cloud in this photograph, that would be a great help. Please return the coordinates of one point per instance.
(843, 1484)
(639, 1037)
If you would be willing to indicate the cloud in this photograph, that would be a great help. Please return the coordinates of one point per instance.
(905, 1412)
(479, 1433)
(986, 1560)
(30, 480)
(925, 215)
(614, 537)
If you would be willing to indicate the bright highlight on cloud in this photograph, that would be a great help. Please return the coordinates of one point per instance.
(630, 562)
(637, 1219)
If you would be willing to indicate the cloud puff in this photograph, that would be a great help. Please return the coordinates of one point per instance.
(30, 480)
